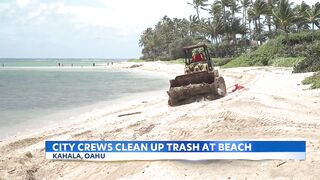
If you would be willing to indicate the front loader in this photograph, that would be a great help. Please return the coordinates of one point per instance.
(200, 78)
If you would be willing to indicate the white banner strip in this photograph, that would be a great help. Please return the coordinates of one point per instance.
(97, 156)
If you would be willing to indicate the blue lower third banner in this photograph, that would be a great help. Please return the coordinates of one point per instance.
(174, 150)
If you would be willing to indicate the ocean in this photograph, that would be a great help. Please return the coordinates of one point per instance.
(33, 91)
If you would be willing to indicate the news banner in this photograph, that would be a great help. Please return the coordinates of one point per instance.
(174, 150)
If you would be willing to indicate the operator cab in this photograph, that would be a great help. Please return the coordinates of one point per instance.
(197, 55)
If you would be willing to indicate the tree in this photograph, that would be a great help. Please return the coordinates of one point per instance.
(259, 7)
(211, 30)
(166, 38)
(312, 16)
(245, 4)
(150, 40)
(193, 25)
(235, 22)
(271, 5)
(197, 5)
(216, 9)
(283, 16)
(301, 21)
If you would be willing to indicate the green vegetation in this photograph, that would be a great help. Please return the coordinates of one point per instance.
(278, 52)
(269, 32)
(286, 61)
(135, 60)
(312, 62)
(177, 61)
(241, 61)
(216, 61)
(267, 28)
(260, 57)
(314, 81)
(221, 61)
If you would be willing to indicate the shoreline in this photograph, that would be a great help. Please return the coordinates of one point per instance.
(273, 105)
(74, 115)
(77, 114)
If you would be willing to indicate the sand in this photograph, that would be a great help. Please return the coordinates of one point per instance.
(273, 105)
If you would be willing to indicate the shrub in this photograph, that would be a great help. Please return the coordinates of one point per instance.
(260, 57)
(266, 52)
(313, 80)
(242, 61)
(221, 61)
(286, 61)
(311, 63)
(302, 37)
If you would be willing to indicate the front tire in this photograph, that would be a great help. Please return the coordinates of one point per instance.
(221, 87)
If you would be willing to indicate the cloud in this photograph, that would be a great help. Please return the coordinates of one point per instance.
(125, 14)
(23, 3)
(4, 7)
(74, 28)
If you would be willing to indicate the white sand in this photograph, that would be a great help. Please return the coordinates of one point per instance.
(273, 105)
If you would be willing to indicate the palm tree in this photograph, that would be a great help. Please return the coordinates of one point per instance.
(234, 9)
(312, 16)
(151, 42)
(301, 21)
(197, 5)
(235, 27)
(271, 5)
(165, 28)
(225, 25)
(245, 4)
(181, 27)
(193, 24)
(209, 29)
(225, 4)
(259, 8)
(216, 9)
(284, 16)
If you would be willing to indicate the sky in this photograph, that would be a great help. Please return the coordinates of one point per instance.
(82, 28)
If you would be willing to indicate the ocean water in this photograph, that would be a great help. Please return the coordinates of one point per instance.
(29, 95)
(53, 62)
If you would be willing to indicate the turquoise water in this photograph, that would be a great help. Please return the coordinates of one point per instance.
(27, 95)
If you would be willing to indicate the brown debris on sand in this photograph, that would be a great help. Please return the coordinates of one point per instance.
(136, 65)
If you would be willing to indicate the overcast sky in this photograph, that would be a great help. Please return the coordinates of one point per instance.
(82, 28)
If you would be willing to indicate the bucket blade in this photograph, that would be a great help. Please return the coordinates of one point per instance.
(195, 78)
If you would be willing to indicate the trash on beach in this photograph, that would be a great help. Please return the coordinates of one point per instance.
(237, 87)
(128, 114)
(281, 163)
(29, 154)
(135, 65)
(11, 171)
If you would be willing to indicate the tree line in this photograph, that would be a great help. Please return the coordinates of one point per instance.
(232, 28)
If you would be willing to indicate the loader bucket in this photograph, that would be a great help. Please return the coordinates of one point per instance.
(194, 85)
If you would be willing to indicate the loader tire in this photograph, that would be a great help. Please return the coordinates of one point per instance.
(221, 87)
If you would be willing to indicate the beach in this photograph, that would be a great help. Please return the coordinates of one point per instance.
(273, 105)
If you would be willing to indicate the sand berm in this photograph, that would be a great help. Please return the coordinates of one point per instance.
(273, 105)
